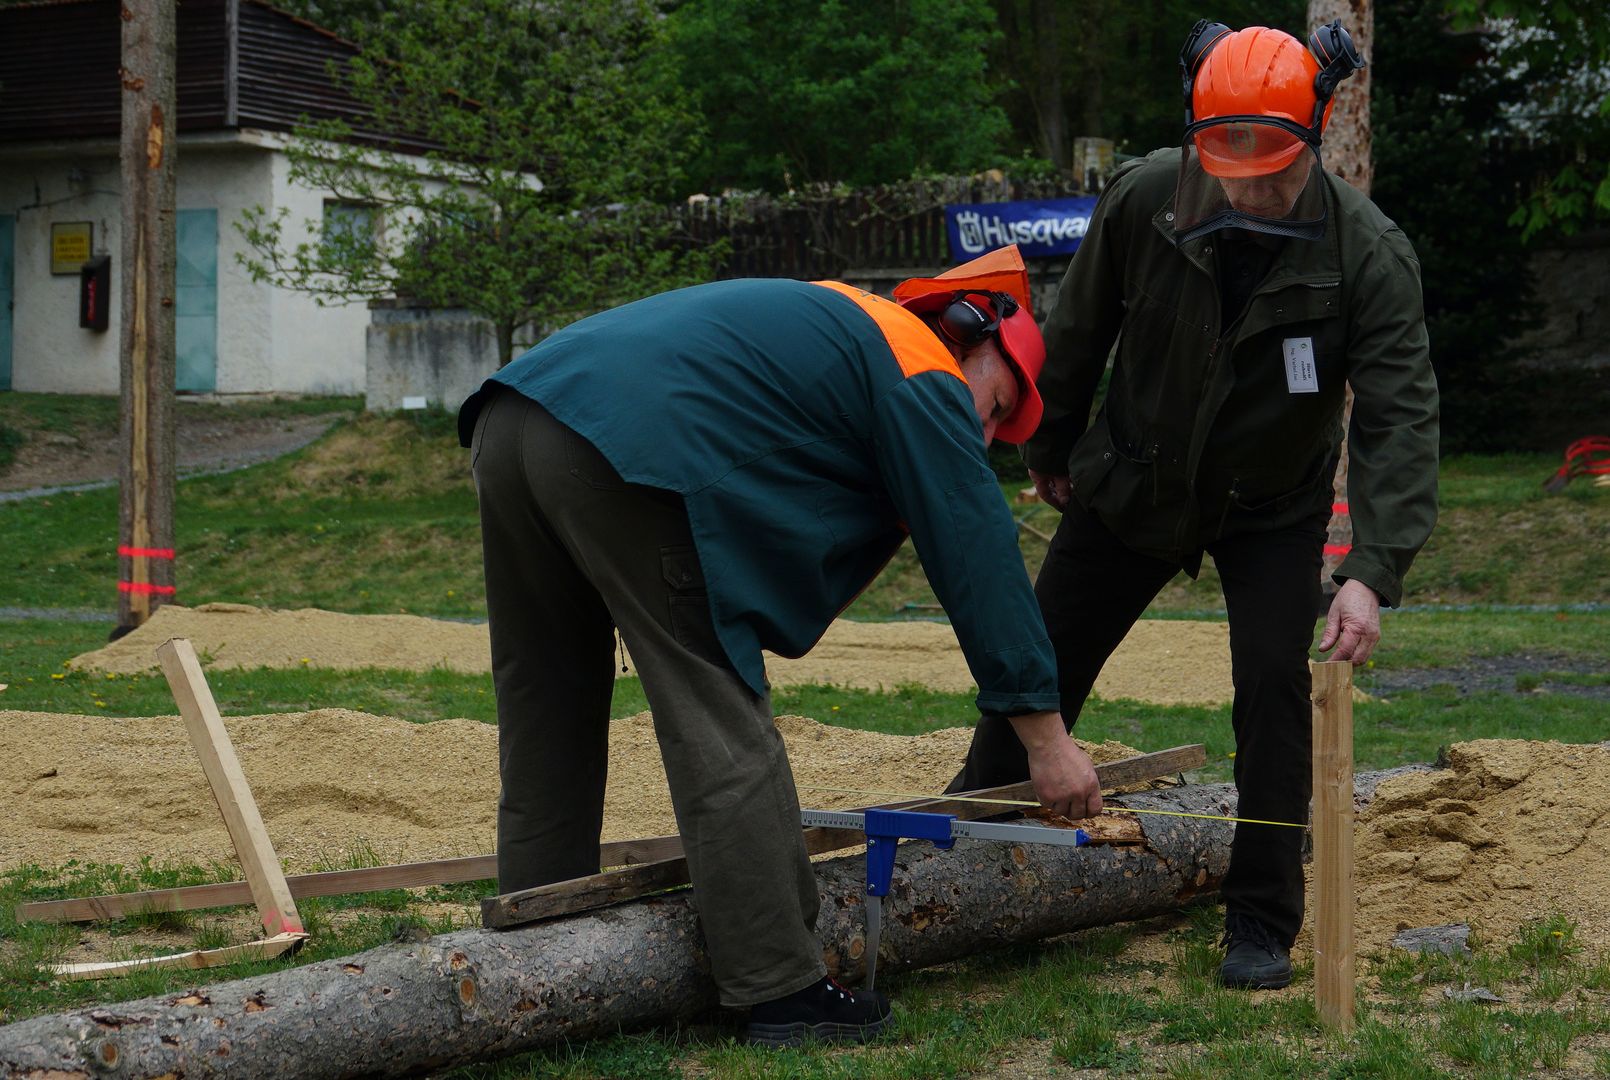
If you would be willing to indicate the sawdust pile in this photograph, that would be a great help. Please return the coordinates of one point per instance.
(1165, 662)
(1512, 831)
(333, 782)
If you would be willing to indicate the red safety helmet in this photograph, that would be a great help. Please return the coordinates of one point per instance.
(989, 295)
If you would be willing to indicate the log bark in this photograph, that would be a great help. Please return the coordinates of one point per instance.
(473, 995)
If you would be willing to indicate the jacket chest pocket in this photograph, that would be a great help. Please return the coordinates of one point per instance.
(1292, 350)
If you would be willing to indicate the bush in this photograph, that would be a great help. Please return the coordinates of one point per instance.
(11, 441)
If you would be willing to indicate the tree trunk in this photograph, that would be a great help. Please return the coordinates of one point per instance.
(1347, 154)
(146, 351)
(476, 994)
(1048, 99)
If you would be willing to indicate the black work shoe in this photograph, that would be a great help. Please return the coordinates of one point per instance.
(822, 1012)
(1253, 959)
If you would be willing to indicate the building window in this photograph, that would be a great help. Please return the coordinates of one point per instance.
(346, 224)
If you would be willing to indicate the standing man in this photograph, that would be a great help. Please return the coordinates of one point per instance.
(717, 471)
(1245, 289)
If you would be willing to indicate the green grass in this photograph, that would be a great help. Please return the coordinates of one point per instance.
(397, 490)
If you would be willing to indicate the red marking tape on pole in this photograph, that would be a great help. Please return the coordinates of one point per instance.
(1338, 549)
(149, 553)
(1338, 508)
(144, 587)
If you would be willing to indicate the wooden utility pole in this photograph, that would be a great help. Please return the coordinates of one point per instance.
(146, 350)
(1347, 154)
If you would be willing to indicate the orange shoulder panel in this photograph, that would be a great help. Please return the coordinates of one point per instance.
(914, 346)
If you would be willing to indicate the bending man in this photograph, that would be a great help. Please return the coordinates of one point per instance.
(717, 471)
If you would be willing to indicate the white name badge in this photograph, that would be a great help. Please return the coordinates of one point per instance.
(1301, 375)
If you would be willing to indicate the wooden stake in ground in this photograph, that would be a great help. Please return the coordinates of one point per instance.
(146, 359)
(1333, 843)
(269, 889)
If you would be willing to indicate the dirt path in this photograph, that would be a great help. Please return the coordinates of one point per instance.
(209, 440)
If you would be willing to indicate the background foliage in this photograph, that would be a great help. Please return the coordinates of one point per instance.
(1491, 137)
(557, 135)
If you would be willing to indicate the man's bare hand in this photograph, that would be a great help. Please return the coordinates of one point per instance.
(1053, 490)
(1354, 623)
(1064, 778)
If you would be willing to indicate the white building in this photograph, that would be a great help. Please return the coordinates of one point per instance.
(246, 73)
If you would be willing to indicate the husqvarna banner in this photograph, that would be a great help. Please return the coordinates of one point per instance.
(1043, 228)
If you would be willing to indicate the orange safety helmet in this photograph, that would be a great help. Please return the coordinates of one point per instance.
(1255, 96)
(992, 290)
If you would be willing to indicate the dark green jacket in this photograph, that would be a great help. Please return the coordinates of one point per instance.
(1200, 435)
(807, 430)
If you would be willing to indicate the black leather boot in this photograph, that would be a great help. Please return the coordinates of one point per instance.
(822, 1012)
(1253, 959)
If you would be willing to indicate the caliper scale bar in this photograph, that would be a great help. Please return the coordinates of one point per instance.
(885, 829)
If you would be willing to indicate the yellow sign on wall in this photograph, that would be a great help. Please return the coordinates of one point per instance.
(71, 244)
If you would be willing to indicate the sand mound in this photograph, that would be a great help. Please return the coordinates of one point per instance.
(100, 789)
(242, 636)
(1510, 832)
(1165, 662)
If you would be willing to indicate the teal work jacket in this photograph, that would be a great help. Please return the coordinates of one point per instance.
(808, 428)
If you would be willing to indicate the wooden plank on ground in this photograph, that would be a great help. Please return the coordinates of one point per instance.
(614, 886)
(326, 883)
(481, 867)
(1333, 843)
(218, 760)
(266, 949)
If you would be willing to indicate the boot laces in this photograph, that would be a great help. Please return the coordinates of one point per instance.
(1246, 928)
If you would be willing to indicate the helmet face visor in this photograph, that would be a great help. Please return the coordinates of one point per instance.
(1249, 175)
(1237, 148)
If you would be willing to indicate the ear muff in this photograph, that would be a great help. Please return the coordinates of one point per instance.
(1203, 36)
(1338, 58)
(972, 317)
(1331, 46)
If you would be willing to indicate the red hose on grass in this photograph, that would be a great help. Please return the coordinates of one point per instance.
(1588, 456)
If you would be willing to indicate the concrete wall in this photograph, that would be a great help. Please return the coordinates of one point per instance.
(269, 340)
(1572, 282)
(442, 355)
(315, 350)
(48, 350)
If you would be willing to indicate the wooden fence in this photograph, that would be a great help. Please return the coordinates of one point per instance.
(826, 235)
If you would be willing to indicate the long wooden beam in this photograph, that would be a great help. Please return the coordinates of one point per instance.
(628, 853)
(613, 886)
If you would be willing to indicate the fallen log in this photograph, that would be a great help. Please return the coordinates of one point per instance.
(473, 995)
(671, 869)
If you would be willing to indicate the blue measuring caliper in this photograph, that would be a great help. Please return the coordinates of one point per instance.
(886, 828)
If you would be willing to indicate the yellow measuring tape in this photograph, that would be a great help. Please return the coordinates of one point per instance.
(1020, 802)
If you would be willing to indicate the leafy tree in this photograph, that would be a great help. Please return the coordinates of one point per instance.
(1446, 174)
(1107, 68)
(352, 19)
(1562, 51)
(801, 92)
(553, 130)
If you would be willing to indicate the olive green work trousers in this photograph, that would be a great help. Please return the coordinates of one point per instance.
(572, 551)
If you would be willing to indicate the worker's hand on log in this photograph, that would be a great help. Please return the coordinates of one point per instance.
(1354, 623)
(1064, 779)
(1053, 490)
